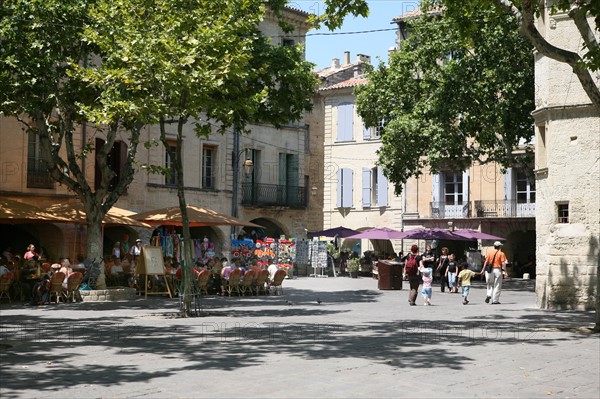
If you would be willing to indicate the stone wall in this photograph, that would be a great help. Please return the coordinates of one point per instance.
(567, 175)
(108, 295)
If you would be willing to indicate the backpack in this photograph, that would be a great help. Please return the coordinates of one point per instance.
(410, 267)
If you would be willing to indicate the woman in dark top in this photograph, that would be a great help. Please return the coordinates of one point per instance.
(452, 273)
(441, 269)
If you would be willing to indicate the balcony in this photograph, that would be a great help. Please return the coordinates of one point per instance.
(268, 195)
(504, 208)
(482, 209)
(441, 210)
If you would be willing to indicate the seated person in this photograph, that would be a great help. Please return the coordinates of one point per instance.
(116, 268)
(65, 267)
(80, 265)
(273, 267)
(3, 269)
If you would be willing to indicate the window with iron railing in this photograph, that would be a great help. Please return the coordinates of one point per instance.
(38, 175)
(170, 163)
(208, 166)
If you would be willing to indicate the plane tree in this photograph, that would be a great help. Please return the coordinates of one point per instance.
(446, 100)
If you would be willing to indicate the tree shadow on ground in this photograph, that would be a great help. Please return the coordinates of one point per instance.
(46, 345)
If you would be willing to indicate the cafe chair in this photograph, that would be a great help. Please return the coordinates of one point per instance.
(260, 284)
(46, 267)
(247, 281)
(73, 283)
(56, 287)
(202, 281)
(5, 282)
(276, 285)
(235, 279)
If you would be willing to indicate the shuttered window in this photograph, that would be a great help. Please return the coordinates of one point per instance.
(345, 122)
(344, 188)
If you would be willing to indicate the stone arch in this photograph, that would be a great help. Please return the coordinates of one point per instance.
(43, 235)
(271, 228)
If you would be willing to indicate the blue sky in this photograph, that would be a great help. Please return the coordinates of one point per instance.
(321, 49)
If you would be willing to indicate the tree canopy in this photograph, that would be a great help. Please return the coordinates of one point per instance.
(525, 12)
(447, 100)
(116, 66)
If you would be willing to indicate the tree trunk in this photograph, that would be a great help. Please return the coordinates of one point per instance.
(187, 273)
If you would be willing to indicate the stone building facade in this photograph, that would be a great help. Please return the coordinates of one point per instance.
(568, 176)
(357, 195)
(276, 194)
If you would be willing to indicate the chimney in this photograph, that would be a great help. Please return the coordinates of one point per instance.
(364, 58)
(335, 63)
(346, 57)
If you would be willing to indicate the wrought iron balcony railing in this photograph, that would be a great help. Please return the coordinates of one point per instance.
(504, 208)
(444, 210)
(265, 195)
(38, 175)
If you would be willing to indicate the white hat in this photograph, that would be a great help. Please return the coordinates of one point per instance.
(138, 240)
(497, 244)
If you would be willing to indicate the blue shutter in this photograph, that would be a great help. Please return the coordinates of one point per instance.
(339, 188)
(382, 188)
(437, 189)
(366, 187)
(366, 133)
(509, 186)
(465, 186)
(345, 121)
(347, 188)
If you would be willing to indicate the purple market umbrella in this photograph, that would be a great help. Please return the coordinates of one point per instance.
(431, 234)
(477, 235)
(382, 233)
(341, 232)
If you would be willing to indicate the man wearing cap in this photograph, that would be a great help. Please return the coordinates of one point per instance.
(495, 271)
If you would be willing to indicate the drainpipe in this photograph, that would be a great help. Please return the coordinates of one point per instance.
(235, 175)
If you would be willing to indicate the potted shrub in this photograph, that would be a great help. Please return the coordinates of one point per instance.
(353, 267)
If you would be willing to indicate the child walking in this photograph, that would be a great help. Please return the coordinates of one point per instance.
(427, 277)
(464, 281)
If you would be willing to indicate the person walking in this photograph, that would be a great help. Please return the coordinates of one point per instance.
(464, 281)
(412, 262)
(451, 273)
(495, 271)
(427, 275)
(441, 269)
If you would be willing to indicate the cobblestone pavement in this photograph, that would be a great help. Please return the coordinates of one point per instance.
(359, 342)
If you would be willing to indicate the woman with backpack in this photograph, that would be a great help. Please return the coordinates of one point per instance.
(412, 262)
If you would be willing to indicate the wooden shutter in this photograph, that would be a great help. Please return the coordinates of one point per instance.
(345, 122)
(366, 133)
(382, 188)
(509, 185)
(366, 187)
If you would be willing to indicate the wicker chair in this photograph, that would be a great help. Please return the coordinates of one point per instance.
(248, 280)
(5, 282)
(56, 287)
(235, 279)
(260, 284)
(73, 283)
(202, 280)
(276, 285)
